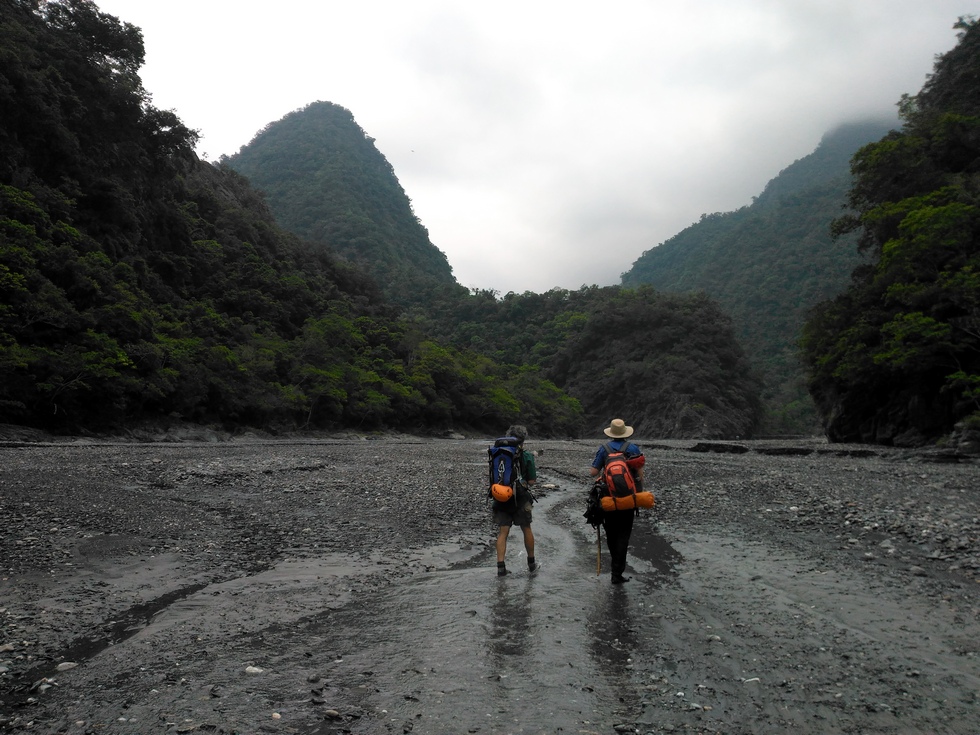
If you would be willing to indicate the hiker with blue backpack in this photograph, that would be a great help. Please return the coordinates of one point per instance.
(512, 472)
(618, 467)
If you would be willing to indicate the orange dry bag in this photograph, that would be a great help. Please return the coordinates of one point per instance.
(642, 499)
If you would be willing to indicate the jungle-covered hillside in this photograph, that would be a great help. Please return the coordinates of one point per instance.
(673, 365)
(769, 263)
(140, 283)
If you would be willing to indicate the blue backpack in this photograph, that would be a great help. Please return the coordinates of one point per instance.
(506, 458)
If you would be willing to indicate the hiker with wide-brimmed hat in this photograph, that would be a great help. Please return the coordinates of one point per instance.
(618, 524)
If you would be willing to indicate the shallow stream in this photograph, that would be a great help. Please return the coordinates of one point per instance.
(463, 650)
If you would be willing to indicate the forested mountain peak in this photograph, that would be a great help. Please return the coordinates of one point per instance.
(326, 181)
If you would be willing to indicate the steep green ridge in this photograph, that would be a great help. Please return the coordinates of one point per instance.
(669, 363)
(896, 358)
(326, 181)
(768, 263)
(139, 283)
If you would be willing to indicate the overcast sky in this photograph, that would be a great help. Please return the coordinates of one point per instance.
(549, 143)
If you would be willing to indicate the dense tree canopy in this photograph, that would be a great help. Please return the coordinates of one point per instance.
(140, 282)
(668, 362)
(896, 358)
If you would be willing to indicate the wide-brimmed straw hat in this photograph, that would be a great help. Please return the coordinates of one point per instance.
(618, 429)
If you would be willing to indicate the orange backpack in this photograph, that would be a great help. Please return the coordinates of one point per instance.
(621, 490)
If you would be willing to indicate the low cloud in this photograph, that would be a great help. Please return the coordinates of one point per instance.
(549, 144)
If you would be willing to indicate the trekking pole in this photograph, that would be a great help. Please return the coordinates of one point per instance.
(598, 550)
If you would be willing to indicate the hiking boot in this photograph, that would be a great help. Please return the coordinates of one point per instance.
(619, 579)
(532, 566)
(501, 571)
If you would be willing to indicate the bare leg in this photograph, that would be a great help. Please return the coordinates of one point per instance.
(528, 541)
(502, 542)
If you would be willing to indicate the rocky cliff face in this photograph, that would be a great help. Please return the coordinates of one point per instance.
(906, 419)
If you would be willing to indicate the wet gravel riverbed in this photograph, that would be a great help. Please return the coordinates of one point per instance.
(348, 585)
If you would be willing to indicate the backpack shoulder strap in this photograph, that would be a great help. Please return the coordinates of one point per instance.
(610, 450)
(519, 462)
